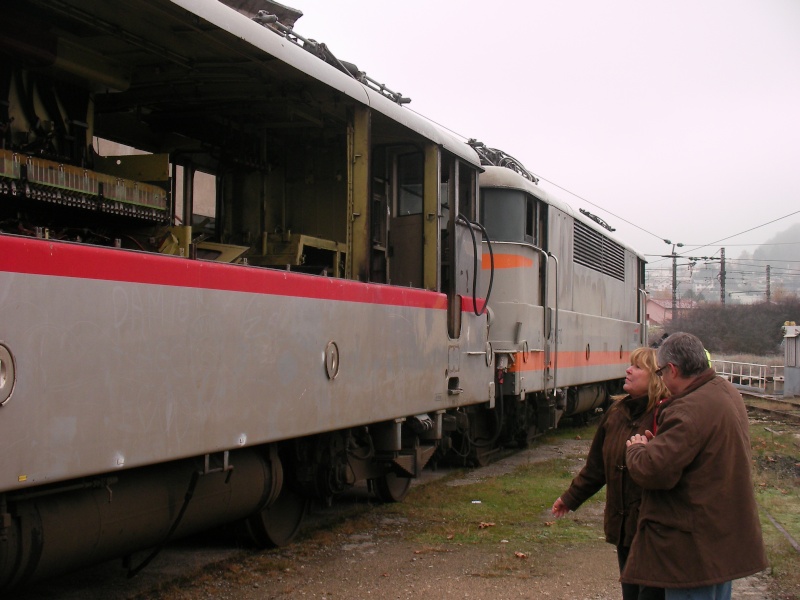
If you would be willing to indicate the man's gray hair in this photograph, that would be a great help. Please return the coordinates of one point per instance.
(685, 351)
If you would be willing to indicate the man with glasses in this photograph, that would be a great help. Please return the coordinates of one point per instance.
(698, 522)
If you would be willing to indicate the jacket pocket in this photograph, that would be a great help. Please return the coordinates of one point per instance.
(671, 553)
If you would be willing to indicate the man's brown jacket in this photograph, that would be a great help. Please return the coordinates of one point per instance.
(698, 521)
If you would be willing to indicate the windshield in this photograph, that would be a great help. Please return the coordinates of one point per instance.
(503, 214)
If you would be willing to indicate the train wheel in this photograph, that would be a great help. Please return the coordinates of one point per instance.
(277, 524)
(581, 419)
(390, 487)
(481, 456)
(483, 430)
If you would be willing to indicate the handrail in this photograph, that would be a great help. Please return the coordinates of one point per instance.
(544, 292)
(555, 329)
(544, 300)
(750, 375)
(643, 318)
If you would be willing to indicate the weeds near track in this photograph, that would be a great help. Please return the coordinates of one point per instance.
(776, 474)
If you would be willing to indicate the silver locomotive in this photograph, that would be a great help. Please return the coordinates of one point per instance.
(236, 274)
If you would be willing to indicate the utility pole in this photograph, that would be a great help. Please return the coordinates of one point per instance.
(722, 276)
(674, 283)
(767, 284)
(674, 258)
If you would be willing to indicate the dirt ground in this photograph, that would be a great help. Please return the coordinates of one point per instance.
(375, 561)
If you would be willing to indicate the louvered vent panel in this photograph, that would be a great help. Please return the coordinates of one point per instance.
(596, 251)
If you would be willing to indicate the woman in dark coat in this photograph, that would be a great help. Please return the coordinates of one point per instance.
(605, 465)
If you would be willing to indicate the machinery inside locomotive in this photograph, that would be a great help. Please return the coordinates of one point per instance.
(169, 139)
(98, 151)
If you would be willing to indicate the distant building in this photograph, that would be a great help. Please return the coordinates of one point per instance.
(659, 312)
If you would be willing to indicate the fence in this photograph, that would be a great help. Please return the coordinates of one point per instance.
(764, 379)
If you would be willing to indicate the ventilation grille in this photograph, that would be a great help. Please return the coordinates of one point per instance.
(596, 251)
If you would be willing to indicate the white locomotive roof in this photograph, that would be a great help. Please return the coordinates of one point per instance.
(274, 44)
(507, 178)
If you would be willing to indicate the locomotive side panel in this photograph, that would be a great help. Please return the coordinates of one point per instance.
(560, 246)
(516, 300)
(596, 327)
(605, 275)
(128, 372)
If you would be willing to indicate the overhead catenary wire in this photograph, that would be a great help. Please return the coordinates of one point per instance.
(742, 232)
(692, 249)
(571, 193)
(616, 216)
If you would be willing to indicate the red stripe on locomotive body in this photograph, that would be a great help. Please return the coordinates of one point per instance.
(64, 259)
(566, 360)
(467, 305)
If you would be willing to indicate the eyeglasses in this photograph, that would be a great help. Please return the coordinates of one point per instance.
(660, 370)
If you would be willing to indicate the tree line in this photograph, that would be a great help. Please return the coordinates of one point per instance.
(739, 328)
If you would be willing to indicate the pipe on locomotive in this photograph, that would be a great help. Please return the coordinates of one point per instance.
(470, 225)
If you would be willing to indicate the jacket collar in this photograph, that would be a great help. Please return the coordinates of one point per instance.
(696, 382)
(634, 407)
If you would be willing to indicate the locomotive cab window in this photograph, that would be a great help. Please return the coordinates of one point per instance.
(510, 216)
(409, 184)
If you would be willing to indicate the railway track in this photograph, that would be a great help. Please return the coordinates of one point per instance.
(776, 408)
(781, 410)
(185, 558)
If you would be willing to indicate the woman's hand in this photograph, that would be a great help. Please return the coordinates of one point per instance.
(559, 508)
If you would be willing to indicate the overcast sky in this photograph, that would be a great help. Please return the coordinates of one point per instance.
(681, 117)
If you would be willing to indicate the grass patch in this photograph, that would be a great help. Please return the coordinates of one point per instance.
(514, 506)
(776, 476)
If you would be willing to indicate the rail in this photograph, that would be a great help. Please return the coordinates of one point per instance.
(764, 379)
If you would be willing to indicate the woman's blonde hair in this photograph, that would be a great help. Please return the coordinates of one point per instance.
(645, 358)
